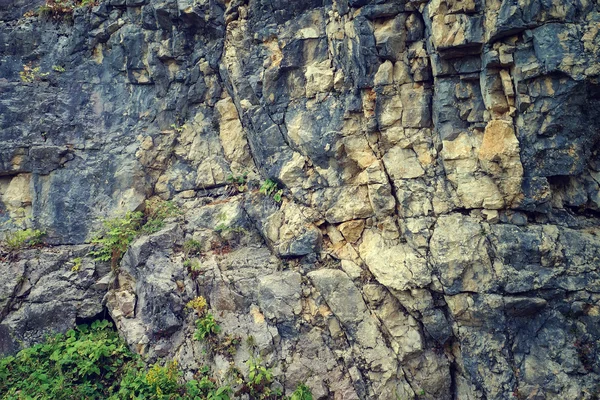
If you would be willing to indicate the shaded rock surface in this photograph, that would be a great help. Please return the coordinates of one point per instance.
(438, 234)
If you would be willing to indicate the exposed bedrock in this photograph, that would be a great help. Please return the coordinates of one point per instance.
(440, 173)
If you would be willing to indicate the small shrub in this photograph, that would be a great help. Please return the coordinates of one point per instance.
(156, 212)
(117, 235)
(239, 183)
(228, 345)
(163, 379)
(229, 236)
(31, 74)
(271, 188)
(58, 68)
(22, 239)
(95, 363)
(178, 128)
(206, 388)
(258, 385)
(76, 264)
(206, 326)
(63, 8)
(80, 364)
(198, 304)
(302, 392)
(192, 247)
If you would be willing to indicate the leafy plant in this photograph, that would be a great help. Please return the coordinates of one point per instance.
(271, 188)
(156, 212)
(93, 362)
(197, 304)
(21, 239)
(178, 128)
(82, 363)
(192, 247)
(76, 264)
(238, 183)
(163, 379)
(206, 326)
(58, 68)
(206, 388)
(63, 8)
(258, 385)
(238, 179)
(117, 235)
(31, 74)
(302, 392)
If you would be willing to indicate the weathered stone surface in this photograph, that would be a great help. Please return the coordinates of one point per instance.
(438, 167)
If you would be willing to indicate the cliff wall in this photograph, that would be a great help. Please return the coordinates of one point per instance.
(439, 166)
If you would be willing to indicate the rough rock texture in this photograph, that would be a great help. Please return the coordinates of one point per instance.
(438, 233)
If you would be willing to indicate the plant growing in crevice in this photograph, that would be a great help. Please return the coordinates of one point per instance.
(229, 236)
(117, 234)
(77, 261)
(302, 392)
(156, 212)
(260, 378)
(178, 128)
(228, 345)
(206, 327)
(192, 247)
(238, 183)
(63, 8)
(198, 304)
(23, 239)
(271, 188)
(31, 74)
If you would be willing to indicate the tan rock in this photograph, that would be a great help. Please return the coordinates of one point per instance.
(499, 141)
(416, 112)
(401, 73)
(385, 74)
(352, 230)
(499, 155)
(231, 133)
(459, 251)
(319, 78)
(402, 163)
(344, 203)
(396, 266)
(18, 192)
(391, 111)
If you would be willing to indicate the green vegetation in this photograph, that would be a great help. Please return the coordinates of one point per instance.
(192, 247)
(76, 264)
(259, 380)
(271, 188)
(93, 362)
(228, 235)
(31, 74)
(118, 233)
(302, 392)
(58, 68)
(197, 304)
(206, 327)
(238, 183)
(63, 8)
(178, 128)
(22, 239)
(156, 212)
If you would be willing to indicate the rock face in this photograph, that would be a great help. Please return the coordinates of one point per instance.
(438, 160)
